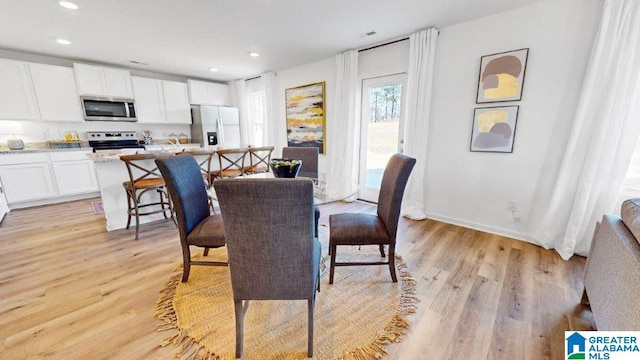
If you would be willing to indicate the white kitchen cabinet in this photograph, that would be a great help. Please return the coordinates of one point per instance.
(17, 97)
(103, 81)
(149, 99)
(161, 101)
(56, 93)
(176, 100)
(26, 177)
(208, 93)
(74, 173)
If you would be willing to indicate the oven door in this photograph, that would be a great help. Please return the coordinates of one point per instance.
(108, 109)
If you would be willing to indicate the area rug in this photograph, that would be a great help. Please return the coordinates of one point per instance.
(97, 206)
(354, 318)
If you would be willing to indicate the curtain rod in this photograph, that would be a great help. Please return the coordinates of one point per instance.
(385, 44)
(253, 78)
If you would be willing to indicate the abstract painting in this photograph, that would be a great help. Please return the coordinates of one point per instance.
(494, 129)
(306, 116)
(502, 76)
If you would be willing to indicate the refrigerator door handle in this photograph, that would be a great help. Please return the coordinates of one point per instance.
(220, 131)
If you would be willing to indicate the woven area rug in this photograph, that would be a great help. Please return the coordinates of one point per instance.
(353, 319)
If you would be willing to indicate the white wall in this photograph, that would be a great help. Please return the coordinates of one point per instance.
(324, 70)
(472, 188)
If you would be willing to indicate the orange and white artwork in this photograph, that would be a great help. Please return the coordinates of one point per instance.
(494, 129)
(502, 76)
(306, 116)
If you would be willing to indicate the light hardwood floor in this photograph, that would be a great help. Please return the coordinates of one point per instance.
(70, 290)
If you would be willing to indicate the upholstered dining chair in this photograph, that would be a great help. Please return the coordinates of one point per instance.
(380, 229)
(273, 254)
(143, 179)
(309, 168)
(195, 224)
(204, 158)
(309, 157)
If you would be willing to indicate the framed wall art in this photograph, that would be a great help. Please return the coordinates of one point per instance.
(502, 76)
(306, 116)
(494, 129)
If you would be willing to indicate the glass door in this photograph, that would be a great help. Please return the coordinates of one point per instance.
(381, 129)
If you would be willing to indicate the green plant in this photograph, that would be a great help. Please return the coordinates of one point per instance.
(276, 163)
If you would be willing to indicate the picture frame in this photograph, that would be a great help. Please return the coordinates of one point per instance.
(501, 76)
(494, 129)
(305, 111)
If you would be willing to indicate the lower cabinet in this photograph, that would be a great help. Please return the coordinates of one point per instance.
(46, 177)
(74, 173)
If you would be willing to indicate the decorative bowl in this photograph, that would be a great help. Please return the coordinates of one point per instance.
(285, 168)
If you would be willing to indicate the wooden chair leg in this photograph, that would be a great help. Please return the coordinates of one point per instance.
(381, 250)
(186, 263)
(332, 266)
(392, 262)
(240, 310)
(206, 252)
(137, 214)
(310, 306)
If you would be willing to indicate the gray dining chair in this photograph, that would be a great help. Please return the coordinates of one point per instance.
(188, 193)
(380, 229)
(273, 255)
(309, 168)
(309, 157)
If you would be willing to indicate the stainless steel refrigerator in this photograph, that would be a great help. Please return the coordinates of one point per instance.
(215, 125)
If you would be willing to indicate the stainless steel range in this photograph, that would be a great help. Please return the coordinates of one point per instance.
(113, 140)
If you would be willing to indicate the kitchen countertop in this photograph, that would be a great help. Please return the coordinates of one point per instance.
(4, 151)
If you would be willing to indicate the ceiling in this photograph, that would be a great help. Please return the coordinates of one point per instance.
(187, 37)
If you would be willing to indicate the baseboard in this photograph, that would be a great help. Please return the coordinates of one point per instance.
(480, 227)
(55, 200)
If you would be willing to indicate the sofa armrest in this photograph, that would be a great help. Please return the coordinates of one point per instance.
(612, 276)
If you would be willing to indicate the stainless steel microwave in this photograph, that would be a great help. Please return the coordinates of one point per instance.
(99, 108)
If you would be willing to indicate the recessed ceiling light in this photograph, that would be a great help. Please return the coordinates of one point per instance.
(254, 54)
(63, 41)
(213, 69)
(68, 5)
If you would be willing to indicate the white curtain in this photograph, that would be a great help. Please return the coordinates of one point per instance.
(422, 49)
(605, 131)
(271, 124)
(239, 92)
(342, 139)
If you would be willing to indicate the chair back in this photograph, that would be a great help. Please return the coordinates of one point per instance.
(394, 180)
(231, 162)
(309, 157)
(259, 158)
(138, 169)
(268, 226)
(187, 190)
(204, 158)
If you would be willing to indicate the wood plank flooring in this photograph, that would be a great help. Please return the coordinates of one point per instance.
(71, 290)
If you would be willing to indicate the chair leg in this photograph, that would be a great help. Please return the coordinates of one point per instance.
(186, 263)
(240, 310)
(129, 209)
(332, 266)
(310, 306)
(392, 262)
(381, 250)
(206, 252)
(137, 214)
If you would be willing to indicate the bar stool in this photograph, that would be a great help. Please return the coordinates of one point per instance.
(232, 163)
(259, 158)
(144, 178)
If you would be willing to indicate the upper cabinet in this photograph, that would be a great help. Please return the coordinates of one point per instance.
(207, 93)
(161, 101)
(17, 97)
(103, 81)
(56, 93)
